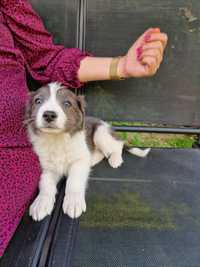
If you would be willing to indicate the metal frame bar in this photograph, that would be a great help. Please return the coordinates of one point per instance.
(80, 31)
(146, 129)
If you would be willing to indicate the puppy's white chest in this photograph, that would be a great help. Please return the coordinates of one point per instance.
(57, 152)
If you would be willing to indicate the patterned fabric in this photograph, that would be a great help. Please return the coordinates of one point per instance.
(24, 45)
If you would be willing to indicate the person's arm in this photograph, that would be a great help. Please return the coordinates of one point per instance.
(143, 59)
(48, 62)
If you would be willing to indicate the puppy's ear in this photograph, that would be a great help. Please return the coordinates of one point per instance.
(81, 103)
(31, 95)
(28, 108)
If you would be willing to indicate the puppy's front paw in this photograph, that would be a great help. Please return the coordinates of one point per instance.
(41, 207)
(74, 204)
(115, 160)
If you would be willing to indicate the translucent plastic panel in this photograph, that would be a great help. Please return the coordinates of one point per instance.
(60, 18)
(173, 95)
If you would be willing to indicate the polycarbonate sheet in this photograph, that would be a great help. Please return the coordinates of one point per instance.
(144, 214)
(60, 18)
(173, 95)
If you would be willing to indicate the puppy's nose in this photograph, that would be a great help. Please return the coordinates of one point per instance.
(49, 116)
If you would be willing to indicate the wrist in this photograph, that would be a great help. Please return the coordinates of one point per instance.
(121, 69)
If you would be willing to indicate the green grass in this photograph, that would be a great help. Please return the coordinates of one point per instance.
(158, 140)
(154, 140)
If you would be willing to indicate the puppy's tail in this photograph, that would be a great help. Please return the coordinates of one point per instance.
(142, 153)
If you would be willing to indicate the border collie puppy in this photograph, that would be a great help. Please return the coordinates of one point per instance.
(67, 144)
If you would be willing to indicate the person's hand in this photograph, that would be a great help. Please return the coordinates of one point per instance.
(145, 56)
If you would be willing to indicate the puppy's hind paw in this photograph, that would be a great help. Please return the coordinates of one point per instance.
(115, 160)
(74, 204)
(41, 207)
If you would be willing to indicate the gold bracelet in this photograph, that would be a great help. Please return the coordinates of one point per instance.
(114, 69)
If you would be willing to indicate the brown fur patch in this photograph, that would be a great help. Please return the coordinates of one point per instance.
(91, 125)
(75, 113)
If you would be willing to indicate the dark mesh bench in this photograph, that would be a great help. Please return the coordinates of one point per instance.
(145, 213)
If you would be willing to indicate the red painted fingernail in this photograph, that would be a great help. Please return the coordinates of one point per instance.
(139, 52)
(156, 29)
(147, 37)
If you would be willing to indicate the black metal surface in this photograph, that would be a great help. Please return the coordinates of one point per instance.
(81, 24)
(46, 243)
(145, 214)
(172, 96)
(46, 248)
(63, 238)
(27, 243)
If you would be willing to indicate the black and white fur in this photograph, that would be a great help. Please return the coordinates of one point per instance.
(67, 144)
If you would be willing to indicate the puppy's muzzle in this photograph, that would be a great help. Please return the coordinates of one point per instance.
(49, 116)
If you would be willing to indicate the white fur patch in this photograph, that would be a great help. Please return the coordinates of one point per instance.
(52, 105)
(139, 152)
(108, 145)
(97, 156)
(105, 142)
(61, 154)
(41, 207)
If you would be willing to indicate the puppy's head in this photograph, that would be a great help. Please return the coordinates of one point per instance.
(55, 109)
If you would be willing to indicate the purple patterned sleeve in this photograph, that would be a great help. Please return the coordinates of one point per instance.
(45, 61)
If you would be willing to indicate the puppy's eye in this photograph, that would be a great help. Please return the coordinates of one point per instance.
(67, 104)
(38, 100)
